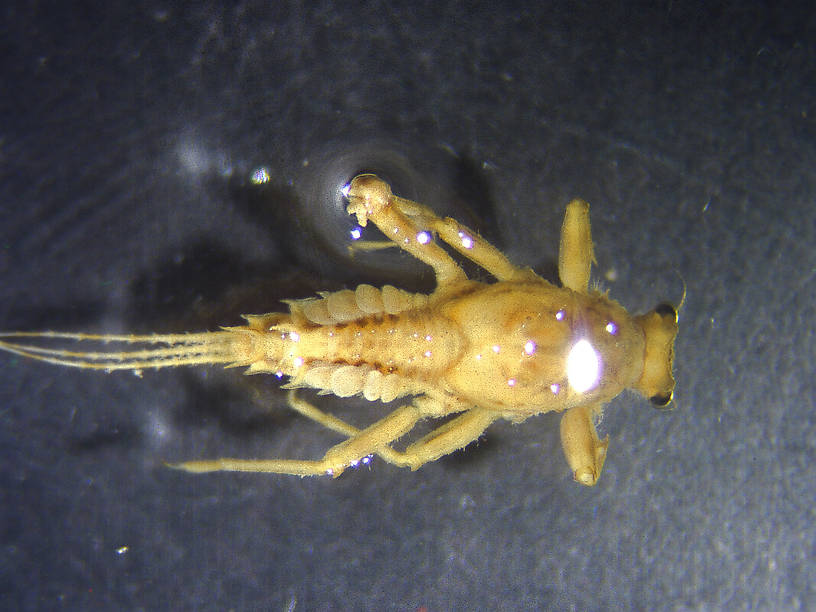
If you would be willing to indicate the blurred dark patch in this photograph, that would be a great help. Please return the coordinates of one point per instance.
(207, 286)
(253, 408)
(478, 452)
(120, 436)
(80, 315)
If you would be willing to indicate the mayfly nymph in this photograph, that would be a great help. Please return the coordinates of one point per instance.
(511, 349)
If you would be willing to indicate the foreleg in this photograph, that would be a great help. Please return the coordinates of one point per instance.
(584, 451)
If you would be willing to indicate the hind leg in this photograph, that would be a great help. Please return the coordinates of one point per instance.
(364, 442)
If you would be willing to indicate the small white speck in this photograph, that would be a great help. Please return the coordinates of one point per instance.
(423, 237)
(356, 233)
(298, 361)
(496, 348)
(559, 316)
(345, 189)
(294, 336)
(427, 353)
(279, 374)
(529, 347)
(428, 338)
(122, 550)
(555, 388)
(354, 463)
(511, 382)
(611, 328)
(260, 176)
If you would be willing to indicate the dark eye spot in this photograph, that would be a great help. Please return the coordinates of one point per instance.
(661, 399)
(666, 310)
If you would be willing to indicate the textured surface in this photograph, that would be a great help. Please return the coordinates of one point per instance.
(127, 141)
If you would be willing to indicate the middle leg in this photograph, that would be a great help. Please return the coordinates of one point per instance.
(451, 436)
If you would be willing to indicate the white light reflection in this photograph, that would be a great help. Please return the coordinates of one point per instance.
(345, 190)
(583, 366)
(529, 347)
(260, 176)
(467, 241)
(356, 233)
(423, 237)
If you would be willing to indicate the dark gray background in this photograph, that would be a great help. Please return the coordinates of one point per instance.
(128, 136)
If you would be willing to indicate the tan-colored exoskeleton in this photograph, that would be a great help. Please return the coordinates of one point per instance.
(508, 350)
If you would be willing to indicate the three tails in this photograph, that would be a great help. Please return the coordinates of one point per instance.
(231, 346)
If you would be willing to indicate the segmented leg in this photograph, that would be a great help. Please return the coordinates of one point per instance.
(370, 198)
(575, 254)
(584, 451)
(329, 421)
(462, 239)
(451, 436)
(375, 439)
(365, 442)
(447, 438)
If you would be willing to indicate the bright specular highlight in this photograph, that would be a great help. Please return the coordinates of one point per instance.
(583, 366)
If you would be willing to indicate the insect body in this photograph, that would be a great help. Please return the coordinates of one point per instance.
(507, 350)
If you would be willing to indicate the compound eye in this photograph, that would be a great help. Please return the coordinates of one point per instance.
(661, 400)
(665, 309)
